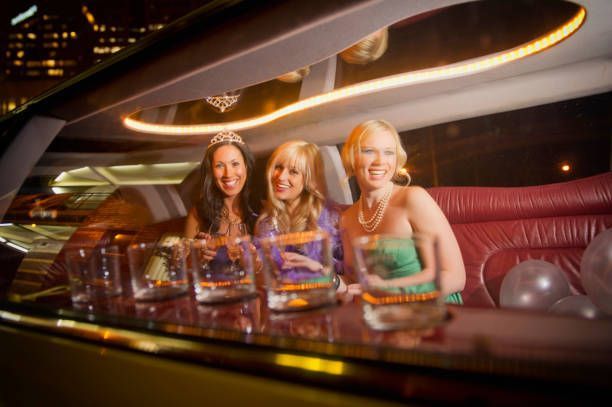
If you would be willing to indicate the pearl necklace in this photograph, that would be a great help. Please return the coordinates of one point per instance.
(371, 224)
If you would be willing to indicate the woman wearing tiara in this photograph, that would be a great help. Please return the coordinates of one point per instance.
(374, 155)
(222, 206)
(296, 202)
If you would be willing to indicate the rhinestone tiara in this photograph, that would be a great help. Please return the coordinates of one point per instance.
(226, 135)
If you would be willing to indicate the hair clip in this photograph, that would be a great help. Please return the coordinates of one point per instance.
(226, 135)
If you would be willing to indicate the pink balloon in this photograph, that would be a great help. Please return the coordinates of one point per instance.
(577, 305)
(596, 271)
(533, 284)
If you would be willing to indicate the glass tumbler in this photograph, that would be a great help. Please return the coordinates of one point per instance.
(223, 268)
(158, 271)
(298, 270)
(400, 281)
(94, 273)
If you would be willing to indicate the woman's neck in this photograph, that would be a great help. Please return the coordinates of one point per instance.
(371, 196)
(292, 206)
(232, 206)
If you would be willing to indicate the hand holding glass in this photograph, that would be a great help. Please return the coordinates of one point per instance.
(298, 270)
(223, 268)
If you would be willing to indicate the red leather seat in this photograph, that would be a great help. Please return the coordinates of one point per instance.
(498, 228)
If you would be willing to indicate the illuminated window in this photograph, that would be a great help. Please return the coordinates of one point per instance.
(32, 36)
(48, 62)
(19, 54)
(55, 72)
(17, 63)
(73, 34)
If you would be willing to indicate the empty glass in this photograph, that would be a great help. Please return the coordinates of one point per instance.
(298, 270)
(158, 271)
(94, 273)
(400, 281)
(223, 268)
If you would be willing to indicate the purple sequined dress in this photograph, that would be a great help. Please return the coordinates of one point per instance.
(329, 221)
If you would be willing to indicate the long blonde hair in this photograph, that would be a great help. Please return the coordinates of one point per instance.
(306, 158)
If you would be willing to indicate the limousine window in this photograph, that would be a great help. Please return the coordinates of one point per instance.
(504, 109)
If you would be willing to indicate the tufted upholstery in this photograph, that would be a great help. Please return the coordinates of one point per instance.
(498, 228)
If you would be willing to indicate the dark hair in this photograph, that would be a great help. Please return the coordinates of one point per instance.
(209, 203)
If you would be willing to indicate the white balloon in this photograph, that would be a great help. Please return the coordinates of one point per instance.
(533, 284)
(596, 271)
(577, 305)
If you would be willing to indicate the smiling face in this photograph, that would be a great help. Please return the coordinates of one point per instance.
(287, 182)
(376, 160)
(229, 170)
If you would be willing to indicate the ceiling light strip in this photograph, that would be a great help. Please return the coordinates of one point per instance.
(410, 78)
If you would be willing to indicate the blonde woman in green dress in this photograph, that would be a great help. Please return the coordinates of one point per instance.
(374, 155)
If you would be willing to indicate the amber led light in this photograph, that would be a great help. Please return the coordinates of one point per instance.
(405, 79)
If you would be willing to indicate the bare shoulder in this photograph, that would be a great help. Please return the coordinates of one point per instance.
(193, 213)
(413, 195)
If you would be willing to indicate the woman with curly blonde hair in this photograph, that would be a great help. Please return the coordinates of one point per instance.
(296, 199)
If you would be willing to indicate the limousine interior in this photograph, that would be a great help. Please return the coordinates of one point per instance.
(504, 109)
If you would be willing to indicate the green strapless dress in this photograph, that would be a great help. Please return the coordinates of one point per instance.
(402, 260)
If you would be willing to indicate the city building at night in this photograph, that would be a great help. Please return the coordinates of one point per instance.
(48, 42)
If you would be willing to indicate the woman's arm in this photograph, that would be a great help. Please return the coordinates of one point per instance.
(346, 248)
(192, 224)
(426, 216)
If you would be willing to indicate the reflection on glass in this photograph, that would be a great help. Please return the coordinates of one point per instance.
(244, 316)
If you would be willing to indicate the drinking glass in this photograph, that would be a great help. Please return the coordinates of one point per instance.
(94, 273)
(400, 281)
(223, 268)
(158, 270)
(298, 270)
